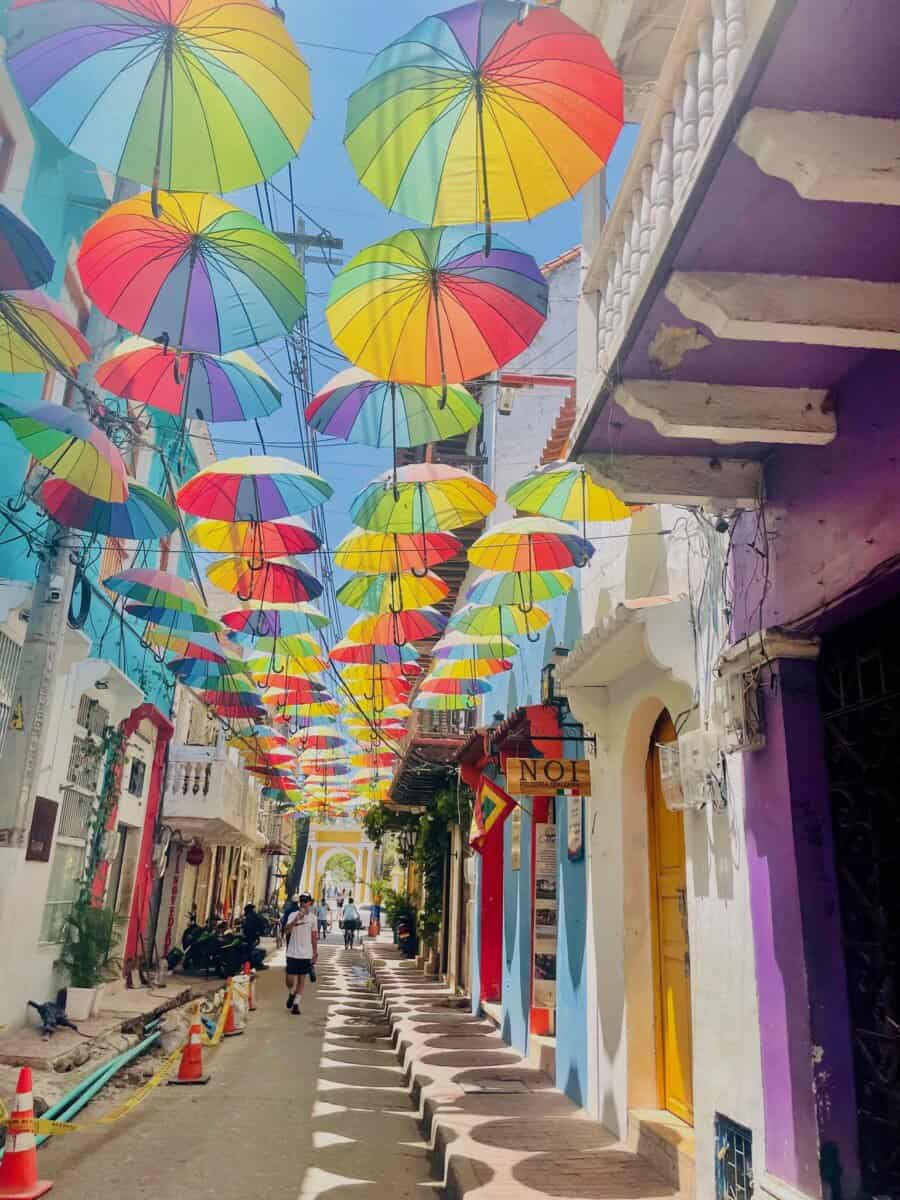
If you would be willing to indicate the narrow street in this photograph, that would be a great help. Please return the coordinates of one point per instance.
(306, 1107)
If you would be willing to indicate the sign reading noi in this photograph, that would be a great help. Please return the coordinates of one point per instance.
(547, 776)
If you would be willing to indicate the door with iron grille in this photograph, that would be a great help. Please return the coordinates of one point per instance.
(860, 697)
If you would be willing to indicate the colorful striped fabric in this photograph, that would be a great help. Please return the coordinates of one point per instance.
(254, 488)
(422, 498)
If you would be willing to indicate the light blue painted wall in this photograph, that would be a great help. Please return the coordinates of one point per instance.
(571, 979)
(517, 902)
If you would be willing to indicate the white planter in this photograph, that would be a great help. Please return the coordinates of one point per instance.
(99, 997)
(80, 1003)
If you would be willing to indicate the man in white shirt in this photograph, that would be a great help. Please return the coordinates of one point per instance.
(302, 951)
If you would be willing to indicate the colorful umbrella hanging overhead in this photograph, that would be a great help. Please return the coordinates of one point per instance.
(530, 544)
(485, 113)
(278, 582)
(194, 645)
(398, 628)
(566, 492)
(70, 447)
(256, 540)
(422, 498)
(392, 593)
(428, 306)
(277, 621)
(455, 646)
(187, 96)
(177, 621)
(202, 276)
(498, 620)
(25, 261)
(253, 489)
(143, 517)
(351, 652)
(524, 589)
(210, 387)
(391, 553)
(35, 335)
(147, 585)
(469, 668)
(356, 407)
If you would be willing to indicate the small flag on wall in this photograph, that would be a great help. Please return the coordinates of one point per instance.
(492, 807)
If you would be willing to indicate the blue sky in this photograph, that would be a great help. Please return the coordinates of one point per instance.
(336, 38)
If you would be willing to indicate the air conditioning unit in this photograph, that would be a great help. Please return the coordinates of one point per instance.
(740, 711)
(505, 401)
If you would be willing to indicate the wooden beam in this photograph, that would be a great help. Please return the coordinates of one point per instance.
(826, 156)
(808, 309)
(729, 415)
(669, 479)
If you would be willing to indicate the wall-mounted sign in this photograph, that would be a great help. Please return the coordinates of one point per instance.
(547, 776)
(575, 827)
(40, 836)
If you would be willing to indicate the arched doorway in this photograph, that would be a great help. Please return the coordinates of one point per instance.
(339, 870)
(669, 938)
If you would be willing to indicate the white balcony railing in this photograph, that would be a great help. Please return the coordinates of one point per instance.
(698, 78)
(210, 797)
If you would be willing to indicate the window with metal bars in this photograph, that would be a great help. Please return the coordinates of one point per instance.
(92, 716)
(10, 655)
(85, 761)
(734, 1160)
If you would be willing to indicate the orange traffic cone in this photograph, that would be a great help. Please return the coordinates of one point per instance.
(190, 1069)
(18, 1167)
(232, 1029)
(251, 993)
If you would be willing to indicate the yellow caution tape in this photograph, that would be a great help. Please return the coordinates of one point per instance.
(205, 1039)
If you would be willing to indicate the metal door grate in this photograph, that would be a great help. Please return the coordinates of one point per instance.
(75, 818)
(734, 1160)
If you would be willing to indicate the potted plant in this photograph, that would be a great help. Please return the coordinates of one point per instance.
(87, 942)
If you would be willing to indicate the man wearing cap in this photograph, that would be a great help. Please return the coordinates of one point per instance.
(302, 951)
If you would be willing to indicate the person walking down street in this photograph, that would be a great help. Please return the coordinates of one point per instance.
(302, 951)
(323, 916)
(352, 922)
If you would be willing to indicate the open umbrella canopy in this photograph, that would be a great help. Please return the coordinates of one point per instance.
(379, 672)
(35, 335)
(468, 668)
(202, 276)
(444, 686)
(209, 387)
(25, 261)
(456, 647)
(256, 540)
(392, 593)
(142, 517)
(430, 702)
(497, 620)
(356, 407)
(346, 651)
(291, 659)
(201, 646)
(278, 621)
(530, 544)
(524, 589)
(146, 585)
(170, 618)
(566, 492)
(386, 553)
(397, 628)
(422, 498)
(487, 111)
(71, 448)
(308, 712)
(273, 581)
(255, 489)
(185, 95)
(318, 737)
(428, 306)
(199, 673)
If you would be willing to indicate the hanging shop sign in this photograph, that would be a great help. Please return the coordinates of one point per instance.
(575, 827)
(545, 916)
(547, 776)
(194, 855)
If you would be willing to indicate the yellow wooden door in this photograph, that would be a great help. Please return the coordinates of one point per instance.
(672, 964)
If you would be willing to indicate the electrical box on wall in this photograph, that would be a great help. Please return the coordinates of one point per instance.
(691, 771)
(505, 401)
(740, 711)
(670, 775)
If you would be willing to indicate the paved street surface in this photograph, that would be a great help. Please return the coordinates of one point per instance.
(299, 1107)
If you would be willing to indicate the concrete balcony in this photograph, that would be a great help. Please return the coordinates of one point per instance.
(210, 797)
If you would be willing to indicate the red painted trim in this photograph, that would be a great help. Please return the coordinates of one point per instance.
(491, 959)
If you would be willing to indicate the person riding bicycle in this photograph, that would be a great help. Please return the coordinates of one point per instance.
(323, 917)
(352, 922)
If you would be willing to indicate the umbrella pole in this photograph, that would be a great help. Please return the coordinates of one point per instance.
(421, 574)
(482, 150)
(436, 294)
(166, 88)
(393, 388)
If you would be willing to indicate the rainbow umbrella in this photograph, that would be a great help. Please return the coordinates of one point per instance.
(196, 672)
(485, 113)
(278, 621)
(356, 407)
(185, 95)
(523, 589)
(292, 650)
(422, 498)
(25, 261)
(202, 276)
(468, 668)
(196, 645)
(253, 489)
(170, 618)
(443, 686)
(379, 672)
(70, 447)
(566, 492)
(309, 712)
(274, 581)
(387, 553)
(142, 517)
(373, 759)
(392, 593)
(346, 651)
(498, 620)
(234, 707)
(146, 585)
(398, 628)
(231, 387)
(35, 334)
(455, 647)
(321, 737)
(431, 703)
(256, 541)
(429, 306)
(530, 544)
